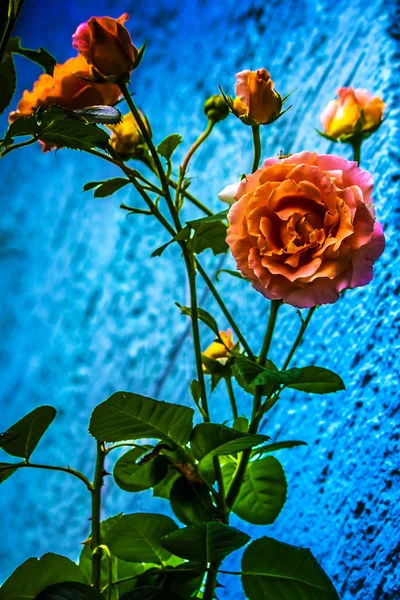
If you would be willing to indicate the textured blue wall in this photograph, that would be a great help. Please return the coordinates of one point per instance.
(85, 311)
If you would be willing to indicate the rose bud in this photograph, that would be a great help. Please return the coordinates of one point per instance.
(303, 228)
(126, 137)
(218, 351)
(256, 102)
(107, 46)
(228, 193)
(216, 109)
(355, 111)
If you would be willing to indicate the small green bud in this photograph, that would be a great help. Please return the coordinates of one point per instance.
(216, 109)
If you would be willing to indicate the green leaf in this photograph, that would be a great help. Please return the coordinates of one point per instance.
(217, 218)
(210, 235)
(163, 489)
(241, 424)
(41, 56)
(208, 436)
(263, 491)
(136, 538)
(23, 126)
(74, 134)
(205, 542)
(126, 416)
(5, 471)
(103, 115)
(23, 437)
(34, 575)
(150, 592)
(195, 390)
(278, 446)
(204, 316)
(183, 234)
(272, 569)
(106, 188)
(255, 374)
(191, 502)
(316, 380)
(120, 568)
(185, 580)
(205, 467)
(8, 80)
(133, 476)
(168, 146)
(70, 590)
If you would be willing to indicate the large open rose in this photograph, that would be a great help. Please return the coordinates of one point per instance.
(303, 228)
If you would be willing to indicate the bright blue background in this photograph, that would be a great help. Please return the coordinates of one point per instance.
(85, 310)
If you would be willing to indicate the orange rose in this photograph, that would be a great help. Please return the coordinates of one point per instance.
(355, 111)
(256, 102)
(107, 46)
(67, 88)
(126, 136)
(303, 228)
(218, 351)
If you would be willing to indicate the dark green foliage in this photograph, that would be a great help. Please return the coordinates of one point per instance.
(22, 438)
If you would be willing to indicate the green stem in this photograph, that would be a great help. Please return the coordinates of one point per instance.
(108, 587)
(211, 581)
(147, 137)
(96, 508)
(9, 28)
(19, 145)
(299, 337)
(232, 399)
(257, 147)
(73, 472)
(121, 445)
(356, 143)
(192, 199)
(184, 166)
(225, 311)
(257, 415)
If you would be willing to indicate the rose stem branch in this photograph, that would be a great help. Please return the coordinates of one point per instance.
(225, 311)
(299, 337)
(356, 143)
(147, 137)
(73, 472)
(211, 581)
(256, 416)
(96, 506)
(192, 199)
(232, 399)
(184, 165)
(12, 19)
(257, 147)
(19, 145)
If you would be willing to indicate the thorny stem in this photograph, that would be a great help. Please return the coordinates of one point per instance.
(73, 472)
(95, 541)
(257, 147)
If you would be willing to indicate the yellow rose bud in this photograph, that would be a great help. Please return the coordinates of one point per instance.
(219, 351)
(126, 136)
(355, 111)
(256, 102)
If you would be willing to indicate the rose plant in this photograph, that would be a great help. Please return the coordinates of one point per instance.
(302, 229)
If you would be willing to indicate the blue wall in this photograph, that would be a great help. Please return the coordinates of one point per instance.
(85, 311)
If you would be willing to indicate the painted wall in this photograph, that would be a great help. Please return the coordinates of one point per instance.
(85, 311)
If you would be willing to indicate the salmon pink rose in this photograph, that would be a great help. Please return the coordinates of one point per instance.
(256, 102)
(107, 46)
(303, 228)
(68, 87)
(354, 111)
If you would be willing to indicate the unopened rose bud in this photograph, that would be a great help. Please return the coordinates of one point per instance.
(219, 351)
(107, 46)
(126, 137)
(228, 193)
(256, 102)
(216, 109)
(355, 112)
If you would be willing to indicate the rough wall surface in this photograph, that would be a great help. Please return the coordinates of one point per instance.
(85, 310)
